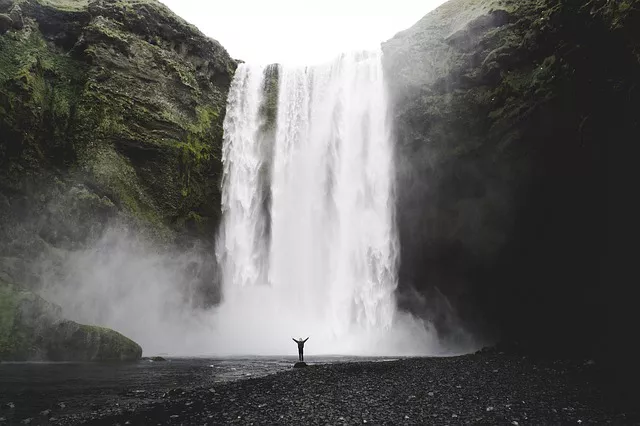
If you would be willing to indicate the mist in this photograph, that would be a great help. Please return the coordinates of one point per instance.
(152, 295)
(148, 294)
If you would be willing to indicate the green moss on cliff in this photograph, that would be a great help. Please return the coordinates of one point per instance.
(23, 316)
(115, 173)
(130, 93)
(9, 335)
(39, 88)
(618, 13)
(109, 111)
(111, 31)
(65, 5)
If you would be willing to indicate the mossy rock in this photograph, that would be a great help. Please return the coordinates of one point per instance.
(32, 329)
(75, 342)
(118, 93)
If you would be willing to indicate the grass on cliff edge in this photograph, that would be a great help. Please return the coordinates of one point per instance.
(68, 5)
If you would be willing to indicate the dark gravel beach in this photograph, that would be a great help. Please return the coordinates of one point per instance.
(485, 388)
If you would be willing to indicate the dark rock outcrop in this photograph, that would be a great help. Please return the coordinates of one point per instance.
(6, 23)
(512, 119)
(32, 329)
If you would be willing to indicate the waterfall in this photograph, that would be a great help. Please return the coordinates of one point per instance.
(321, 259)
(243, 230)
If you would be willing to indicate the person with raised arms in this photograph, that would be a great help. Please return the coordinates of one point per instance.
(300, 347)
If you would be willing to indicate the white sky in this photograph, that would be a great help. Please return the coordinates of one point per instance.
(300, 31)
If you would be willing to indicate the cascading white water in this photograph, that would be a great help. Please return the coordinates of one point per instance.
(243, 241)
(334, 245)
(326, 264)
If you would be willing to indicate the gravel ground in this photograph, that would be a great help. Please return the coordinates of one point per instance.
(485, 388)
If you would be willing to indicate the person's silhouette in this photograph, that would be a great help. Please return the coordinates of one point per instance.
(300, 347)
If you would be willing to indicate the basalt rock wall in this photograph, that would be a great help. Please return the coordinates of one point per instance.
(511, 121)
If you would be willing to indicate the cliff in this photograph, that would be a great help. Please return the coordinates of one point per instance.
(121, 96)
(511, 122)
(111, 114)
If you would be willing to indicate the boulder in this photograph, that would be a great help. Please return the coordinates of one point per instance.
(32, 329)
(76, 342)
(300, 364)
(6, 23)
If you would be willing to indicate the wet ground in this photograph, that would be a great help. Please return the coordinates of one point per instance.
(40, 391)
(488, 388)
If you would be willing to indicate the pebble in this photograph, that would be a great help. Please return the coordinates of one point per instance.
(378, 390)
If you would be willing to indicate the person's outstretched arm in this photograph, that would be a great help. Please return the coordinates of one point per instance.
(306, 339)
(294, 340)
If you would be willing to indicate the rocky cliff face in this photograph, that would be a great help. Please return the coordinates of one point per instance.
(111, 113)
(510, 118)
(121, 96)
